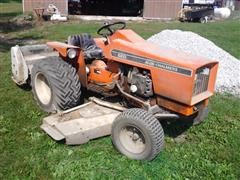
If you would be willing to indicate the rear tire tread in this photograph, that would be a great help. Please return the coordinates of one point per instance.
(64, 81)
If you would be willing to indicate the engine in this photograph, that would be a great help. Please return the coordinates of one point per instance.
(105, 75)
(140, 82)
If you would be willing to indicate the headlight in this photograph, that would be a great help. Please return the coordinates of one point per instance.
(72, 53)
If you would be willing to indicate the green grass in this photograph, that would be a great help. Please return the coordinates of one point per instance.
(9, 10)
(10, 1)
(211, 150)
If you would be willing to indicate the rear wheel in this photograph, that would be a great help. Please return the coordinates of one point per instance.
(137, 134)
(55, 84)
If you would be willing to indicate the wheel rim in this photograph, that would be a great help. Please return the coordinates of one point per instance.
(42, 89)
(132, 139)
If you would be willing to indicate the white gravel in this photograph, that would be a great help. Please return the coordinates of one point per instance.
(228, 78)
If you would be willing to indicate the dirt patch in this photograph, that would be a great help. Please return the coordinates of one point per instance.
(17, 23)
(6, 43)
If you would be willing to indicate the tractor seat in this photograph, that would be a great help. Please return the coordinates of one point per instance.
(87, 44)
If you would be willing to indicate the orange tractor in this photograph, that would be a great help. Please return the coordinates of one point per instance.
(140, 85)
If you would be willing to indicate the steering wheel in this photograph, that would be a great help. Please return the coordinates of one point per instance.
(110, 28)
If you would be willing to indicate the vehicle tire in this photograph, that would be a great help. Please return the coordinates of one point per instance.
(137, 134)
(55, 84)
(200, 116)
(203, 19)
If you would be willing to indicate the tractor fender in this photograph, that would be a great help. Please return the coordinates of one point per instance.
(62, 48)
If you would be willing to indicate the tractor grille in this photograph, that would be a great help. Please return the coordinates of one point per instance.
(201, 81)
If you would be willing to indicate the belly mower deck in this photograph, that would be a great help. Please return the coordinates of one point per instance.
(82, 123)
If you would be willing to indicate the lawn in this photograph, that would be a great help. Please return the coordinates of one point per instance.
(210, 150)
(9, 10)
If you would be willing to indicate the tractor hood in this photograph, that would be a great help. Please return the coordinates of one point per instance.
(173, 56)
(175, 74)
(127, 42)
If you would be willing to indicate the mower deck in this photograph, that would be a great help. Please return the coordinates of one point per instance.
(83, 123)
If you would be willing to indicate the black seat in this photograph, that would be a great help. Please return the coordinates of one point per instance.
(87, 44)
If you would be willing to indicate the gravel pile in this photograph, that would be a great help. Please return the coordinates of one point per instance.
(228, 79)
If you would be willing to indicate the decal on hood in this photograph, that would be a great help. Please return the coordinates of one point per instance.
(151, 62)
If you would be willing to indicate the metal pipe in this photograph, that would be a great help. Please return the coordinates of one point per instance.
(146, 105)
(166, 116)
(73, 109)
(107, 104)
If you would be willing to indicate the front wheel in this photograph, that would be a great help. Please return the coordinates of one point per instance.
(200, 116)
(138, 134)
(55, 84)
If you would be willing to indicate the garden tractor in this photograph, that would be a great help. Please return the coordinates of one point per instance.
(134, 86)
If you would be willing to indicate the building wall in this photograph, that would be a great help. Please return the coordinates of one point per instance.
(161, 8)
(237, 5)
(152, 8)
(29, 5)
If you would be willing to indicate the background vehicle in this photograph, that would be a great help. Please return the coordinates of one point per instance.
(197, 11)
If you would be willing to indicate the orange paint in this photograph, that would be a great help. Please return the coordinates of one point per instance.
(173, 73)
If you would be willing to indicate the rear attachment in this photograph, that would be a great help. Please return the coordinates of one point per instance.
(23, 58)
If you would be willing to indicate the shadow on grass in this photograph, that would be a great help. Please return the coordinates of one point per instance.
(25, 87)
(175, 128)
